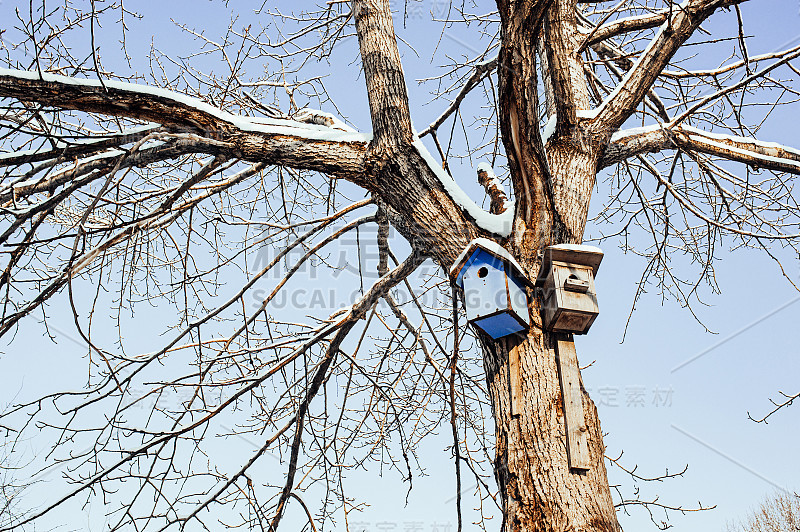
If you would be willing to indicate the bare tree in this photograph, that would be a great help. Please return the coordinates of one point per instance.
(779, 512)
(193, 190)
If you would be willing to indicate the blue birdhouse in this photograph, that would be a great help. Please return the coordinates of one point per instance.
(494, 285)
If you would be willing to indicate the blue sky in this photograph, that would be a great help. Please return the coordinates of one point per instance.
(671, 394)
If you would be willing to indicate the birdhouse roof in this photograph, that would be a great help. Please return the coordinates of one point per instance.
(571, 253)
(472, 251)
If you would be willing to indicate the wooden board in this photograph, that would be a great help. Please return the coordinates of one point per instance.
(514, 377)
(577, 437)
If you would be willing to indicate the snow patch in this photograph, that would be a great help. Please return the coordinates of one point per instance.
(19, 153)
(498, 224)
(586, 113)
(770, 158)
(586, 248)
(486, 167)
(493, 179)
(746, 140)
(336, 123)
(18, 183)
(625, 133)
(479, 64)
(706, 137)
(549, 128)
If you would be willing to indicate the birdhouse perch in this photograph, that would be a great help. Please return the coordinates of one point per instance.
(494, 285)
(567, 279)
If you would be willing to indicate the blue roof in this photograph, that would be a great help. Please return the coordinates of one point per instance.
(479, 256)
(479, 250)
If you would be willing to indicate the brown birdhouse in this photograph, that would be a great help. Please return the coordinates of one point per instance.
(567, 279)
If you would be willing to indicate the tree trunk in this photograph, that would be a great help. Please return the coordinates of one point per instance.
(553, 183)
(538, 490)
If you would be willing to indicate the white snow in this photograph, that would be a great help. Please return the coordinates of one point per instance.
(625, 133)
(19, 153)
(498, 224)
(632, 19)
(593, 258)
(578, 247)
(733, 138)
(13, 183)
(705, 137)
(36, 180)
(337, 123)
(486, 167)
(252, 125)
(479, 64)
(549, 128)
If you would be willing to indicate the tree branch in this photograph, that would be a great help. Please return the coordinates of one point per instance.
(687, 17)
(788, 402)
(759, 154)
(386, 86)
(789, 55)
(334, 151)
(67, 151)
(481, 71)
(570, 92)
(357, 311)
(635, 23)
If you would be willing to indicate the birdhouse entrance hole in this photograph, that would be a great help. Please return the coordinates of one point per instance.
(483, 272)
(575, 284)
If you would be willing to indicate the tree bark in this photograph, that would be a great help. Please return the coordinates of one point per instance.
(539, 491)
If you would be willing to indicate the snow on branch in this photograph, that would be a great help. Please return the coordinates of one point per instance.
(756, 153)
(726, 67)
(318, 141)
(627, 24)
(154, 104)
(494, 188)
(498, 224)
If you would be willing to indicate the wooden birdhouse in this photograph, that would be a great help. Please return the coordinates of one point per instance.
(494, 287)
(567, 279)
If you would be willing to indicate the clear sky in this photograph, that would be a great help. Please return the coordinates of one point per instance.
(671, 394)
